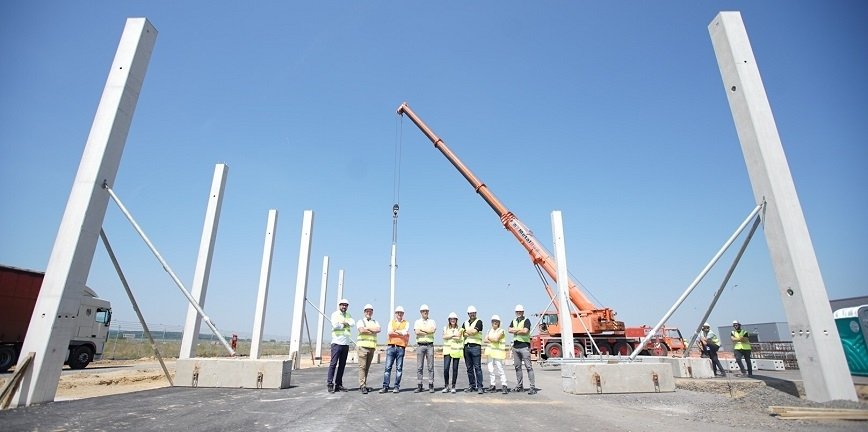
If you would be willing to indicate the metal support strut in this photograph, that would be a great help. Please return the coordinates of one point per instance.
(168, 269)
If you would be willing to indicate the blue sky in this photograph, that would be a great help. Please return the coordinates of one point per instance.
(613, 114)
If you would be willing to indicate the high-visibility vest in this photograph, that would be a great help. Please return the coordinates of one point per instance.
(428, 338)
(468, 338)
(516, 324)
(398, 340)
(453, 343)
(496, 350)
(346, 331)
(713, 339)
(368, 340)
(741, 345)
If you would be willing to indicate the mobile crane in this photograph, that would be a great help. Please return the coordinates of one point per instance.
(611, 335)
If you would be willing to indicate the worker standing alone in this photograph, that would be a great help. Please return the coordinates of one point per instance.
(424, 329)
(520, 329)
(367, 345)
(496, 352)
(473, 351)
(398, 335)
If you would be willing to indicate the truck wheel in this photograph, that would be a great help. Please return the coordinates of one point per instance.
(605, 348)
(662, 351)
(80, 357)
(7, 357)
(554, 350)
(622, 348)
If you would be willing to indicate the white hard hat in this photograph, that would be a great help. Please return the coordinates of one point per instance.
(471, 309)
(707, 325)
(736, 322)
(423, 307)
(453, 315)
(369, 306)
(495, 317)
(399, 309)
(344, 301)
(519, 308)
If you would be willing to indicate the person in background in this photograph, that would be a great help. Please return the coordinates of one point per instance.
(709, 343)
(520, 329)
(342, 334)
(473, 351)
(741, 347)
(367, 345)
(399, 335)
(453, 351)
(496, 352)
(424, 329)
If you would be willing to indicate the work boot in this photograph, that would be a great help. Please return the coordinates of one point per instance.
(518, 389)
(341, 388)
(331, 388)
(504, 389)
(492, 388)
(481, 391)
(383, 390)
(418, 389)
(430, 388)
(364, 390)
(532, 391)
(469, 389)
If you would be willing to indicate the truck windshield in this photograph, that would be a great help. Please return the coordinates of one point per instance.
(104, 316)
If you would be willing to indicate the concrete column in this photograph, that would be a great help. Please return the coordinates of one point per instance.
(323, 289)
(203, 262)
(340, 287)
(264, 279)
(565, 317)
(58, 303)
(800, 284)
(300, 288)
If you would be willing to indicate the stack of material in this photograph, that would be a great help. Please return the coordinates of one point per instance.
(805, 413)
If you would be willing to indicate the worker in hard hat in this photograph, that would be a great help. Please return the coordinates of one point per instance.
(453, 350)
(496, 353)
(741, 348)
(342, 334)
(709, 343)
(473, 351)
(366, 345)
(424, 328)
(519, 328)
(398, 336)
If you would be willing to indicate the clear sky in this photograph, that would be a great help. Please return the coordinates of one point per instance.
(614, 114)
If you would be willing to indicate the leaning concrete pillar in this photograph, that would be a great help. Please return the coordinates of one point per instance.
(323, 289)
(300, 288)
(806, 303)
(203, 261)
(58, 304)
(264, 278)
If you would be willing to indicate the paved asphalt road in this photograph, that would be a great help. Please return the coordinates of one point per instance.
(307, 406)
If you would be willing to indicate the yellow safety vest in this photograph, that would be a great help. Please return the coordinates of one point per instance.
(496, 350)
(398, 340)
(468, 338)
(740, 345)
(452, 342)
(520, 325)
(368, 340)
(344, 331)
(428, 338)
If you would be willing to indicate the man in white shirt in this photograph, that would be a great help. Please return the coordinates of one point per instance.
(366, 345)
(342, 334)
(424, 329)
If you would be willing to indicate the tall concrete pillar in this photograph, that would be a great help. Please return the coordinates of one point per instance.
(565, 318)
(203, 262)
(58, 304)
(264, 278)
(800, 284)
(301, 288)
(323, 290)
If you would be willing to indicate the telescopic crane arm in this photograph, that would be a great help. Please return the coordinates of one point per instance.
(596, 319)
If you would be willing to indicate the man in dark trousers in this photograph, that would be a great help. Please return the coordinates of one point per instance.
(473, 351)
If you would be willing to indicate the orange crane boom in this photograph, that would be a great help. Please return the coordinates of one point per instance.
(596, 319)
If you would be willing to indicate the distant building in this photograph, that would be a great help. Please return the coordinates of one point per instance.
(848, 302)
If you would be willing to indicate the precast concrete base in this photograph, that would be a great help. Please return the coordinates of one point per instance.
(599, 378)
(689, 367)
(233, 373)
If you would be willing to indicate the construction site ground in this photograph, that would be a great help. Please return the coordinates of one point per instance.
(135, 395)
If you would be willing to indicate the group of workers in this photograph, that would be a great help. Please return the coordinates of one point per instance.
(709, 344)
(465, 340)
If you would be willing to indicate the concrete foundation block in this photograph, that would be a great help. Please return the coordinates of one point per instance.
(233, 373)
(599, 378)
(769, 364)
(732, 365)
(689, 367)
